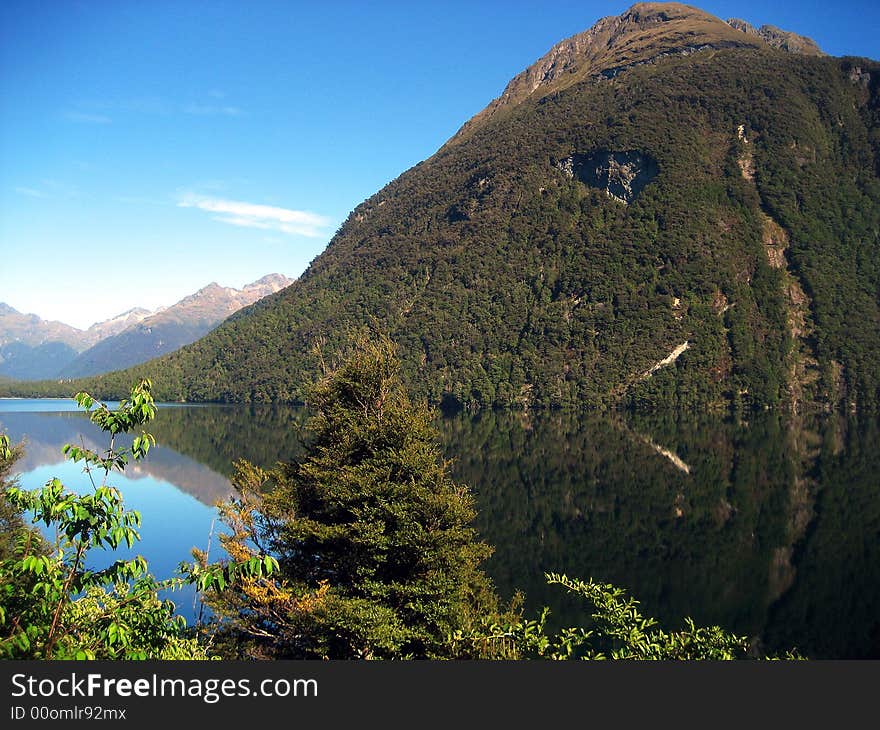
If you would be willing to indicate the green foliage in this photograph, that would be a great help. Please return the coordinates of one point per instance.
(14, 532)
(219, 576)
(518, 638)
(360, 548)
(588, 494)
(633, 636)
(52, 606)
(620, 632)
(376, 557)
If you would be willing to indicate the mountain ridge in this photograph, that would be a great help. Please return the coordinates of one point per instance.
(171, 327)
(31, 329)
(642, 34)
(32, 348)
(778, 38)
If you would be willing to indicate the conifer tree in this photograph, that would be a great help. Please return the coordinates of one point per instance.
(377, 555)
(11, 523)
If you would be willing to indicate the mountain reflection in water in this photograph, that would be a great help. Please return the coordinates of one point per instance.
(768, 525)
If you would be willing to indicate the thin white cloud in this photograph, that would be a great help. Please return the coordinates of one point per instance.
(30, 192)
(49, 188)
(59, 188)
(264, 217)
(98, 111)
(211, 110)
(148, 105)
(86, 118)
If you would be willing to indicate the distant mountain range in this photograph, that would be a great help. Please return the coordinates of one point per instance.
(32, 348)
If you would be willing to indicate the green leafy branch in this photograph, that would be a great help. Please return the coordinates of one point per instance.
(51, 605)
(619, 631)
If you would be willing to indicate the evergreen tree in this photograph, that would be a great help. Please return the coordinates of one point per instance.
(377, 555)
(12, 526)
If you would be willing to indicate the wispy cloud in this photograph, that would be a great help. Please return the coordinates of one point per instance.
(59, 188)
(206, 110)
(265, 217)
(49, 188)
(86, 118)
(30, 192)
(98, 111)
(139, 200)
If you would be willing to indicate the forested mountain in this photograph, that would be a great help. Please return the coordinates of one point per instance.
(171, 328)
(666, 209)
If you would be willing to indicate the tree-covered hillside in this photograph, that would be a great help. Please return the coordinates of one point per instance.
(749, 262)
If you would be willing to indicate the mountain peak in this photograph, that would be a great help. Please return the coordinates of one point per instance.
(778, 38)
(664, 215)
(113, 326)
(644, 33)
(213, 303)
(134, 312)
(32, 331)
(275, 282)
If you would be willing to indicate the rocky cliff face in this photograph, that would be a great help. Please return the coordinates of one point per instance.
(33, 331)
(29, 329)
(214, 303)
(622, 175)
(115, 325)
(33, 347)
(778, 38)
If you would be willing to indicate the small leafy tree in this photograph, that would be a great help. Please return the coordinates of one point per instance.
(52, 606)
(377, 555)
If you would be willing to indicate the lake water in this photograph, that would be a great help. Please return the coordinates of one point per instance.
(767, 525)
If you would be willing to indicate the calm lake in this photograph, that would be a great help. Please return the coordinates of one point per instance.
(767, 525)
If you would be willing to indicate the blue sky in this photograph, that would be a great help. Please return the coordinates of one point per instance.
(149, 148)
